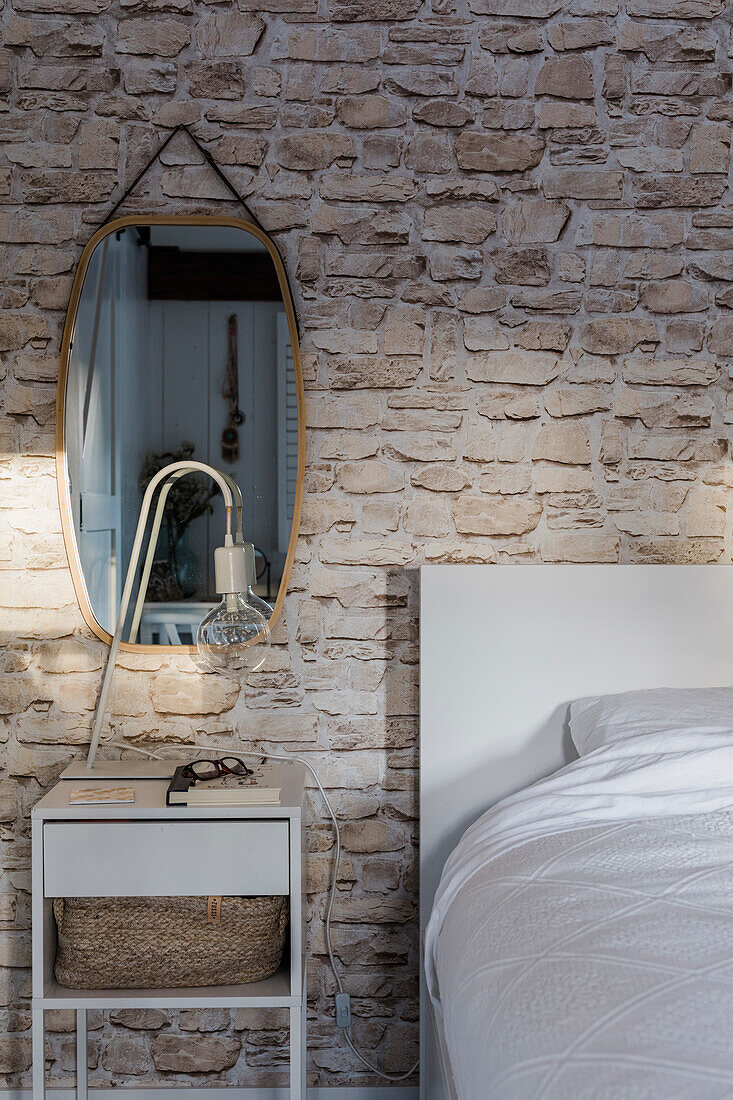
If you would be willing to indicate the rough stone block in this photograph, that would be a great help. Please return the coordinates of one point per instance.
(139, 1019)
(716, 266)
(678, 43)
(496, 515)
(518, 368)
(440, 479)
(706, 512)
(195, 1053)
(534, 221)
(580, 34)
(427, 518)
(683, 9)
(15, 1050)
(171, 694)
(429, 153)
(514, 78)
(674, 296)
(421, 82)
(583, 183)
(455, 263)
(669, 372)
(361, 188)
(633, 231)
(498, 152)
(508, 114)
(521, 266)
(710, 148)
(381, 151)
(373, 372)
(228, 34)
(483, 79)
(483, 334)
(566, 441)
(369, 476)
(662, 191)
(480, 444)
(555, 478)
(38, 155)
(470, 224)
(568, 77)
(99, 144)
(578, 401)
(349, 11)
(146, 77)
(369, 112)
(617, 335)
(254, 118)
(651, 159)
(579, 547)
(441, 112)
(158, 37)
(526, 9)
(215, 79)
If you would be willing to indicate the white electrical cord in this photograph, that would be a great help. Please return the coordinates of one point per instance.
(394, 1077)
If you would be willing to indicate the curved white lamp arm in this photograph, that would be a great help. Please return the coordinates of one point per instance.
(153, 541)
(173, 468)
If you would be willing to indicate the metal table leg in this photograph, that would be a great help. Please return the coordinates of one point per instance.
(296, 1055)
(81, 1054)
(39, 1054)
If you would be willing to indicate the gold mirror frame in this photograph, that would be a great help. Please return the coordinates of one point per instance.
(62, 476)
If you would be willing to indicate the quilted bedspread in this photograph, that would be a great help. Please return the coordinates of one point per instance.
(596, 964)
(594, 961)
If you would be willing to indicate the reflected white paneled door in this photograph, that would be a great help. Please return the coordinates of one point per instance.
(96, 440)
(287, 438)
(194, 409)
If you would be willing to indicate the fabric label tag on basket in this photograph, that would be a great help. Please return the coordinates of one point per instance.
(214, 909)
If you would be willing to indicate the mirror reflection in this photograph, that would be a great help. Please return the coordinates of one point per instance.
(181, 349)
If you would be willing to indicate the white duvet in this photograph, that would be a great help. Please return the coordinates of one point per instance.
(581, 941)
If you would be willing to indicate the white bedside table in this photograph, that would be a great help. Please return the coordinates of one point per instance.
(150, 849)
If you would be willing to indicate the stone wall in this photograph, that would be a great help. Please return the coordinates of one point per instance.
(510, 235)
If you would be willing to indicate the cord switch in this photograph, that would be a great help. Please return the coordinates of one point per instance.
(343, 1010)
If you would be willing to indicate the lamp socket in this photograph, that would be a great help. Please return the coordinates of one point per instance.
(233, 567)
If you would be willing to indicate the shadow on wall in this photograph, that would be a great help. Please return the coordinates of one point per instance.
(47, 704)
(401, 729)
(50, 689)
(472, 788)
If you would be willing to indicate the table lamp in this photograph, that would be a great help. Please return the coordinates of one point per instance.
(234, 636)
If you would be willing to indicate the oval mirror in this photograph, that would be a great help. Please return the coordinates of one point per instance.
(180, 342)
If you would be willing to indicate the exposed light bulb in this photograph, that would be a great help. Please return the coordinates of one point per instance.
(235, 635)
(259, 605)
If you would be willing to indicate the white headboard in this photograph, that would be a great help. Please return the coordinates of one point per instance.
(505, 648)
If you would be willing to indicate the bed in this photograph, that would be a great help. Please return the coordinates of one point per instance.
(578, 935)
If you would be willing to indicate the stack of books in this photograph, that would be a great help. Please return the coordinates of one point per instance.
(262, 788)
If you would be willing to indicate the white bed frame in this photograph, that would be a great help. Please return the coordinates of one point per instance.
(504, 649)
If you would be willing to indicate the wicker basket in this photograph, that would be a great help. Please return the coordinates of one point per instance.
(139, 943)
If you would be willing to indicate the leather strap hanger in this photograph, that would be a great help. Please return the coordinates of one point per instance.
(224, 179)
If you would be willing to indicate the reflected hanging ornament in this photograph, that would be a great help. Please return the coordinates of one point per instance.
(230, 390)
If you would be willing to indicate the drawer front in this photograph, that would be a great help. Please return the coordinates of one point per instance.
(167, 858)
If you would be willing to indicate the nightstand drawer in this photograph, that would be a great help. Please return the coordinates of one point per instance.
(166, 858)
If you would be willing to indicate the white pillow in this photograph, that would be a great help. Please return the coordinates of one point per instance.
(607, 719)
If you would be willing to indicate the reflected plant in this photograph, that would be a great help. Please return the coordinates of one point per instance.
(188, 498)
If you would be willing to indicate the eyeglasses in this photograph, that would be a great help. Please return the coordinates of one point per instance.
(213, 769)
